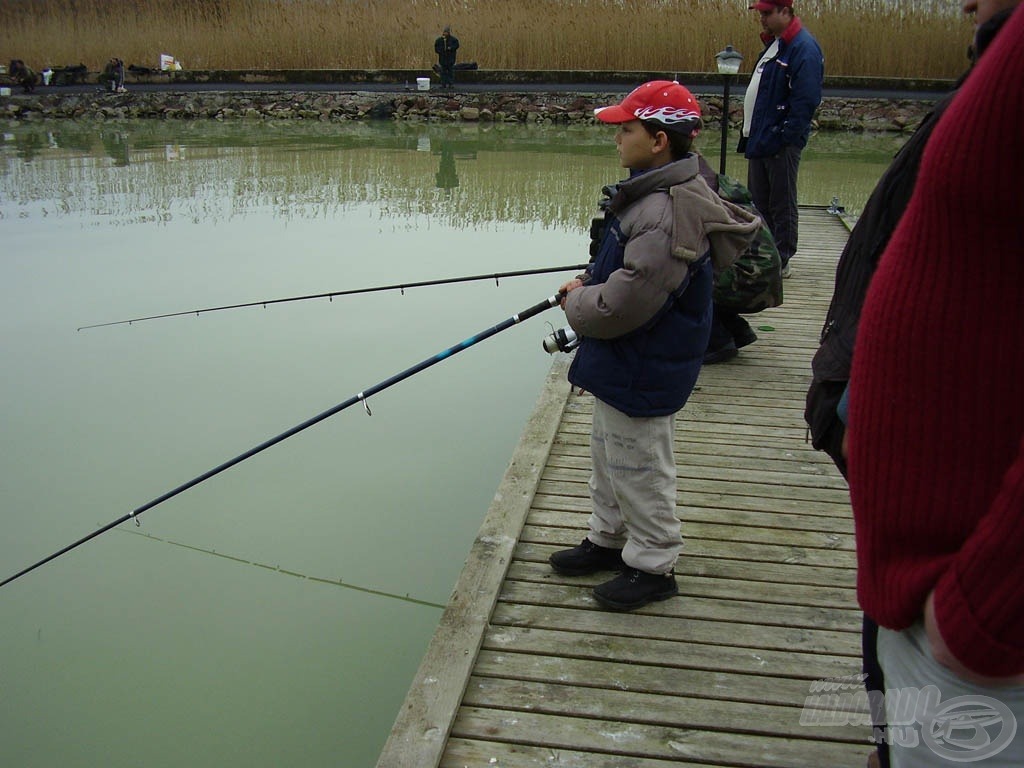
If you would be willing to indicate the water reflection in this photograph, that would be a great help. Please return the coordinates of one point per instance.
(115, 145)
(315, 171)
(447, 174)
(543, 175)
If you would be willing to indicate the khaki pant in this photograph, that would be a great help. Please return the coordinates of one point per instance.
(633, 488)
(936, 719)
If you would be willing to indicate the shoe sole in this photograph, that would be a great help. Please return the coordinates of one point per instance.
(617, 606)
(746, 341)
(584, 571)
(720, 356)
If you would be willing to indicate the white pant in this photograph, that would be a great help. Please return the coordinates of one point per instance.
(926, 727)
(633, 488)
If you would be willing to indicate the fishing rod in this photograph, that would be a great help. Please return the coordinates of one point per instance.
(495, 276)
(360, 397)
(278, 569)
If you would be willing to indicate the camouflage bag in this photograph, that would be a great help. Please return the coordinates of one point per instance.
(754, 281)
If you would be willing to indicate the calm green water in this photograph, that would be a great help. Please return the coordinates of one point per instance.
(179, 642)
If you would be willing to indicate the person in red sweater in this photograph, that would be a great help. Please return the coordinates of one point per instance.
(936, 430)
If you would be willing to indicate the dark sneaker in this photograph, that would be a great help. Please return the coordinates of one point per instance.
(744, 337)
(726, 352)
(737, 328)
(587, 558)
(633, 589)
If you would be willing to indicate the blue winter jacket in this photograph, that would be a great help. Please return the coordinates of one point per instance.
(788, 95)
(649, 370)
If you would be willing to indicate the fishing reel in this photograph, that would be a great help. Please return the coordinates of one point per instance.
(562, 340)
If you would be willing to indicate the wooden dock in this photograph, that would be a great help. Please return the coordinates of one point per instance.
(526, 669)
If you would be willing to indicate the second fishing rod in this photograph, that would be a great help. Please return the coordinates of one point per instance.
(360, 397)
(495, 276)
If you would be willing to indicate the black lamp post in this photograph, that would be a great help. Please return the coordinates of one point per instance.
(728, 66)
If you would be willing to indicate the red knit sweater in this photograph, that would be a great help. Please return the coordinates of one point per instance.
(937, 391)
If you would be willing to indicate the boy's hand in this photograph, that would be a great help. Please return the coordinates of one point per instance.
(572, 285)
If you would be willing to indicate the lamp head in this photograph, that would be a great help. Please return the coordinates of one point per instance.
(729, 61)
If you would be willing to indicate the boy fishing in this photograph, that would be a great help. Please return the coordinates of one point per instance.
(643, 312)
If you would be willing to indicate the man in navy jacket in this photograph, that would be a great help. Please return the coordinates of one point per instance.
(784, 92)
(446, 47)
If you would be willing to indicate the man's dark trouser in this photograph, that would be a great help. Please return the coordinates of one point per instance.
(874, 681)
(772, 183)
(447, 74)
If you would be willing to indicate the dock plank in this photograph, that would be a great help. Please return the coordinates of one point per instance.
(676, 711)
(690, 653)
(527, 670)
(651, 742)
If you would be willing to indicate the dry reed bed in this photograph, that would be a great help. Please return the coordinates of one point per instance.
(891, 38)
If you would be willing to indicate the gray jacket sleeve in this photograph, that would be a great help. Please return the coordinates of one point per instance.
(634, 294)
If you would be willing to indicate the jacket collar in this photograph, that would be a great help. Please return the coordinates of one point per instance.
(792, 30)
(644, 183)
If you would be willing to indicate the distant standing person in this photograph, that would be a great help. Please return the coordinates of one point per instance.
(783, 94)
(446, 46)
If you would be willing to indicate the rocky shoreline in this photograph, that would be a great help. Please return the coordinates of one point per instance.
(835, 114)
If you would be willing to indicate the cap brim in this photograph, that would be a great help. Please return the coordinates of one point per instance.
(615, 114)
(764, 7)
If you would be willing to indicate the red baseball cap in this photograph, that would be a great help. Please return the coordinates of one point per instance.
(771, 5)
(660, 101)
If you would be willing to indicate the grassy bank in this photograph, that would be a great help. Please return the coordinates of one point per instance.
(889, 38)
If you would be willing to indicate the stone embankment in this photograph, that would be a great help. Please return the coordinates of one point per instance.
(837, 114)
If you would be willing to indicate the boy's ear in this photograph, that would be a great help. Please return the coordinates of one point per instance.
(660, 141)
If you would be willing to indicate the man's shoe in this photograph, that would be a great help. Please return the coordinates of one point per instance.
(742, 334)
(725, 352)
(633, 589)
(745, 338)
(585, 559)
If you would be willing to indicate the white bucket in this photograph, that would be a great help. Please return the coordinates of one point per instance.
(422, 83)
(5, 91)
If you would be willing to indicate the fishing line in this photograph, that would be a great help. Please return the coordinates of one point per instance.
(278, 569)
(361, 397)
(495, 276)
